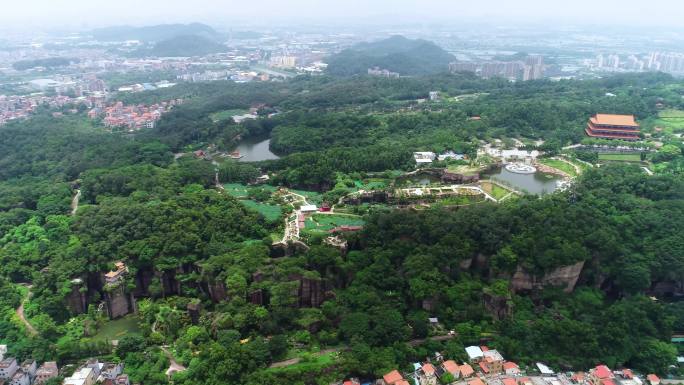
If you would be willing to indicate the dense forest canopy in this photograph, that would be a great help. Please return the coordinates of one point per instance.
(396, 54)
(190, 245)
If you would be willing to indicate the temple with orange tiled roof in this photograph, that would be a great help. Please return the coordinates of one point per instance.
(607, 126)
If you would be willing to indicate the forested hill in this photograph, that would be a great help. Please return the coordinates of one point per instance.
(183, 45)
(153, 33)
(397, 54)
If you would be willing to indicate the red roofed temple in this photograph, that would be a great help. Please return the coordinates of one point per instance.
(605, 126)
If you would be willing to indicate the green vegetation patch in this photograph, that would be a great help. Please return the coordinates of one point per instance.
(495, 190)
(236, 190)
(620, 157)
(226, 114)
(311, 196)
(117, 329)
(560, 165)
(327, 222)
(670, 121)
(271, 212)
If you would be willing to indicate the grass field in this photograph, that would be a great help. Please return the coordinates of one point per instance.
(116, 329)
(312, 363)
(271, 212)
(370, 184)
(494, 190)
(311, 196)
(236, 190)
(671, 121)
(226, 114)
(559, 165)
(620, 157)
(464, 169)
(325, 222)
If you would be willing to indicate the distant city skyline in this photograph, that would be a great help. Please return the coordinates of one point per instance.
(83, 14)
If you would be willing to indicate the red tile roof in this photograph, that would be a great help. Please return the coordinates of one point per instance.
(476, 381)
(627, 373)
(392, 377)
(652, 378)
(510, 365)
(508, 381)
(607, 381)
(428, 369)
(484, 348)
(602, 372)
(466, 370)
(615, 120)
(484, 367)
(451, 367)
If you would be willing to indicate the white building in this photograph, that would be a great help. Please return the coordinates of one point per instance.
(308, 209)
(474, 353)
(423, 157)
(84, 376)
(8, 367)
(20, 378)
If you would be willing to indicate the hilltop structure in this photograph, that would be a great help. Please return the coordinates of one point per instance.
(607, 126)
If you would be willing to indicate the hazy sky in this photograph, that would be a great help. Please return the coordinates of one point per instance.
(91, 13)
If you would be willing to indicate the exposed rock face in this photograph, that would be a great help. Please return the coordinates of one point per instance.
(257, 297)
(76, 300)
(498, 306)
(565, 277)
(217, 291)
(119, 302)
(311, 292)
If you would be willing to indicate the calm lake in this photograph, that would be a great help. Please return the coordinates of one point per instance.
(536, 183)
(255, 149)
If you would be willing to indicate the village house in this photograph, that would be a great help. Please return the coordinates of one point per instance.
(424, 157)
(653, 379)
(393, 378)
(83, 376)
(466, 370)
(511, 368)
(45, 372)
(8, 367)
(20, 378)
(475, 354)
(493, 360)
(114, 276)
(427, 375)
(508, 381)
(451, 367)
(476, 381)
(601, 375)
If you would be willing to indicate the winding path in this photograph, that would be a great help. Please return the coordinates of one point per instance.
(74, 202)
(22, 317)
(174, 366)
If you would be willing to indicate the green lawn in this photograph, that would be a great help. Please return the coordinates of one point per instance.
(313, 362)
(671, 121)
(236, 190)
(370, 184)
(226, 114)
(560, 165)
(311, 196)
(495, 190)
(271, 212)
(116, 329)
(325, 222)
(620, 157)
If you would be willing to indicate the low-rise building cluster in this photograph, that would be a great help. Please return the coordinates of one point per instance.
(27, 372)
(15, 107)
(96, 372)
(132, 117)
(488, 367)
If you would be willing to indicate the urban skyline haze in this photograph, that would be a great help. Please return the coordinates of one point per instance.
(83, 14)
